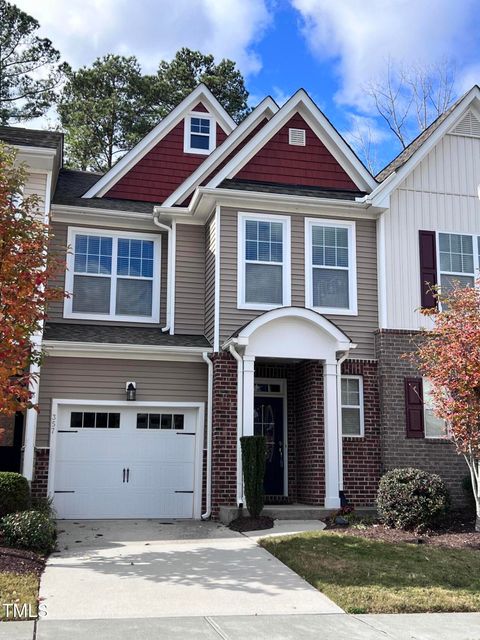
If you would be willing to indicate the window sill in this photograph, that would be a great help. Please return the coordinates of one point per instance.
(351, 437)
(104, 318)
(260, 307)
(331, 311)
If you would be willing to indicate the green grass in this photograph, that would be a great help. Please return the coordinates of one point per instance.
(18, 588)
(370, 576)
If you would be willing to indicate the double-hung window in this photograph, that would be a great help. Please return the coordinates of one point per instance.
(434, 427)
(458, 259)
(263, 261)
(330, 266)
(113, 276)
(352, 406)
(199, 133)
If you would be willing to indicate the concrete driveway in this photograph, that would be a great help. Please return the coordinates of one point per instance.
(153, 568)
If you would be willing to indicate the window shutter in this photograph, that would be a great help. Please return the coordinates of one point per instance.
(428, 268)
(414, 407)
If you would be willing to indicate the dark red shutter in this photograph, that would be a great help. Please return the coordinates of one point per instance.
(414, 407)
(428, 268)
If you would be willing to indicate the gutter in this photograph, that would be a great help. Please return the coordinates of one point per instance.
(208, 512)
(239, 360)
(169, 326)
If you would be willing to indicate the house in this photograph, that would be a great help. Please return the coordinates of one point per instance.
(232, 279)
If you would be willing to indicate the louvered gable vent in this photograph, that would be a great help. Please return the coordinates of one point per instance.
(296, 137)
(469, 125)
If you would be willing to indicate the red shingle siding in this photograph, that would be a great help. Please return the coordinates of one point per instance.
(312, 165)
(200, 107)
(161, 170)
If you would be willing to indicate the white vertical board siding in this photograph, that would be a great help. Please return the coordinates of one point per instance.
(36, 184)
(441, 194)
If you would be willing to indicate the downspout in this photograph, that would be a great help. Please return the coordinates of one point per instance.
(339, 419)
(208, 512)
(239, 360)
(168, 229)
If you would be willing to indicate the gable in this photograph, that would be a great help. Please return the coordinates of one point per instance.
(280, 162)
(160, 171)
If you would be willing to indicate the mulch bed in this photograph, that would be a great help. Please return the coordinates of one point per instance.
(251, 524)
(19, 561)
(453, 535)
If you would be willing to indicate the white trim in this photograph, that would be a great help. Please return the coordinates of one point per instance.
(187, 132)
(101, 217)
(216, 321)
(199, 406)
(382, 274)
(63, 349)
(282, 394)
(476, 257)
(352, 268)
(332, 441)
(173, 272)
(200, 94)
(156, 279)
(243, 216)
(351, 406)
(267, 106)
(302, 103)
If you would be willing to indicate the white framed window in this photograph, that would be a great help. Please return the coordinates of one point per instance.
(352, 406)
(199, 133)
(434, 427)
(263, 261)
(330, 266)
(458, 259)
(113, 275)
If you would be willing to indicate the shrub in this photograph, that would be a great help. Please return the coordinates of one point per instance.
(30, 530)
(44, 505)
(14, 493)
(253, 461)
(411, 499)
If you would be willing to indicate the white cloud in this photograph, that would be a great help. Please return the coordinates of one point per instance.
(360, 35)
(152, 30)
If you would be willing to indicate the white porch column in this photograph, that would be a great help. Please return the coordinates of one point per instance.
(332, 474)
(248, 394)
(30, 429)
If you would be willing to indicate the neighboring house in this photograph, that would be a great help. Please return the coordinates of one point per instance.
(232, 279)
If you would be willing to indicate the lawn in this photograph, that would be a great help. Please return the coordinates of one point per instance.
(19, 579)
(372, 576)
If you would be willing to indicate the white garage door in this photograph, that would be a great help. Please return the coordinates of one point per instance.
(136, 462)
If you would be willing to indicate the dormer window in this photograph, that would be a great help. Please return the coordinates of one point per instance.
(199, 133)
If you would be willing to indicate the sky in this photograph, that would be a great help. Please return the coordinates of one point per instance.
(331, 48)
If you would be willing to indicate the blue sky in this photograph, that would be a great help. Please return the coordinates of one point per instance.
(332, 48)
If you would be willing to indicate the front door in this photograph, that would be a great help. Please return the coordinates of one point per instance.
(268, 422)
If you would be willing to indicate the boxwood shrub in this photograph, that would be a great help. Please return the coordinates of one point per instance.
(32, 530)
(411, 499)
(14, 493)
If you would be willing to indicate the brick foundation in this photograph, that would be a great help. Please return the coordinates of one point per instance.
(435, 456)
(40, 476)
(362, 456)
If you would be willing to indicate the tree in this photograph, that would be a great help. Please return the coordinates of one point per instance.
(101, 109)
(29, 66)
(25, 269)
(449, 355)
(107, 108)
(409, 98)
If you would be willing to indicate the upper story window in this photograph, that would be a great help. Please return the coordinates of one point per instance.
(200, 133)
(112, 276)
(459, 259)
(330, 266)
(263, 261)
(352, 406)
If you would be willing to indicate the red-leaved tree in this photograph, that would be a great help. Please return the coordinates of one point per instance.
(25, 269)
(449, 355)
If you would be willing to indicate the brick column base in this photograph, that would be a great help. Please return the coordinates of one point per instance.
(40, 477)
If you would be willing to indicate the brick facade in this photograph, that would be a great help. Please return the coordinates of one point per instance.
(362, 456)
(40, 477)
(435, 456)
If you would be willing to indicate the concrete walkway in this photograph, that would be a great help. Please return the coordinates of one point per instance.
(150, 569)
(443, 626)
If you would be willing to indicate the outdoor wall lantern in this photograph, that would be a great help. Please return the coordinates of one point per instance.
(131, 389)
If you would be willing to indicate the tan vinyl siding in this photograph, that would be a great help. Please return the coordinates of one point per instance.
(210, 231)
(359, 328)
(58, 247)
(190, 280)
(104, 379)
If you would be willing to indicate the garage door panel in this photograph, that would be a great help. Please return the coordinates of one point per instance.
(90, 447)
(171, 476)
(88, 475)
(158, 447)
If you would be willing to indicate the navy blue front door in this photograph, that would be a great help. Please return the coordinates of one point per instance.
(268, 422)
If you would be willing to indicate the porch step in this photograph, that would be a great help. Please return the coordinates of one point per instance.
(279, 512)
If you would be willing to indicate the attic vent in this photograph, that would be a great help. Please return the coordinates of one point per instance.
(469, 125)
(296, 137)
